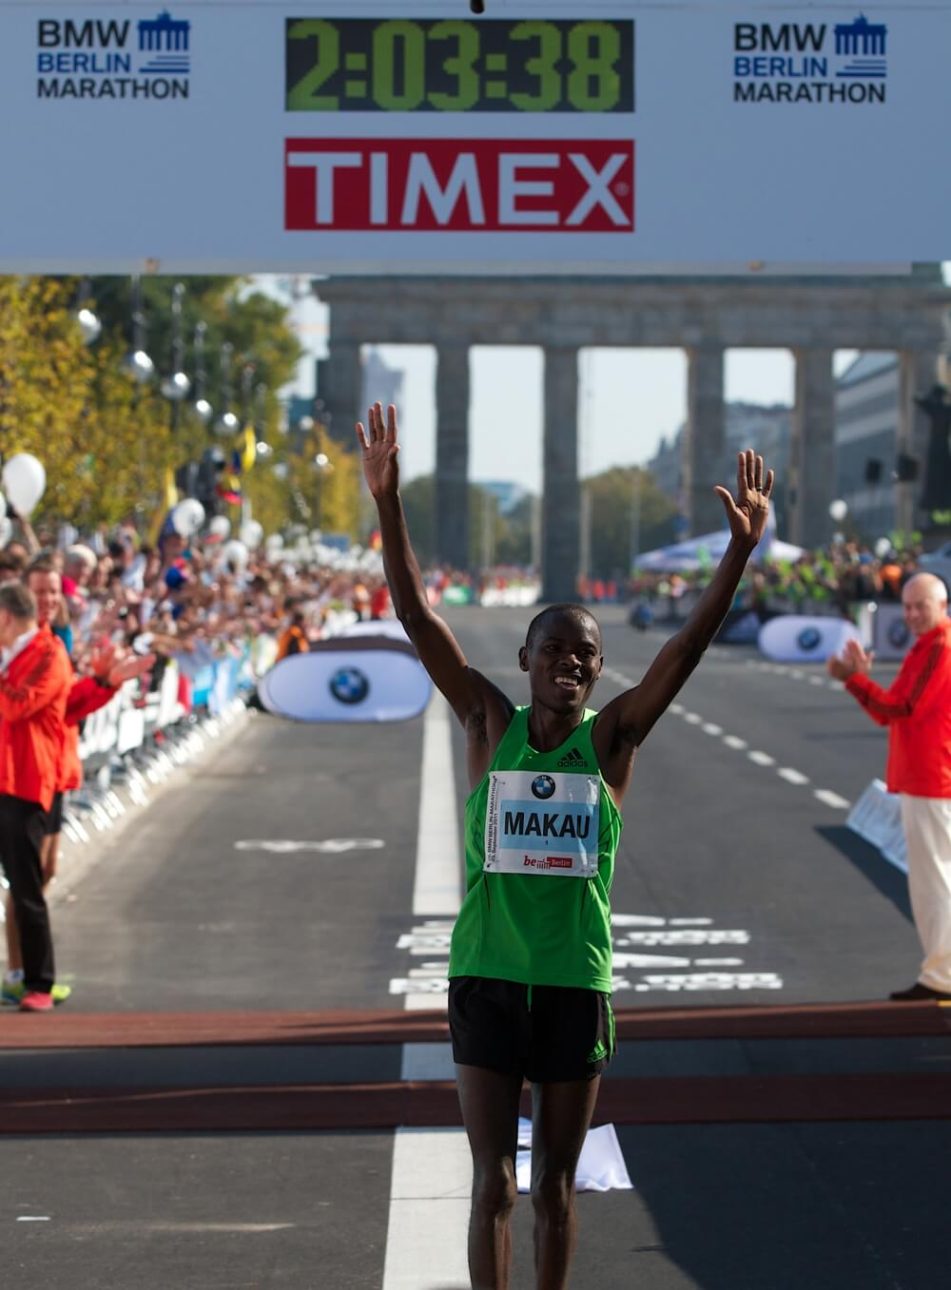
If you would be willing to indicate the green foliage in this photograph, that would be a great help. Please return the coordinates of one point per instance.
(108, 444)
(627, 509)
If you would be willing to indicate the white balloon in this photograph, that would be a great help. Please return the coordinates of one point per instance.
(25, 481)
(838, 510)
(188, 517)
(251, 534)
(220, 526)
(235, 553)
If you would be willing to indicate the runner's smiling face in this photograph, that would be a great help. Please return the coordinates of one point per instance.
(563, 660)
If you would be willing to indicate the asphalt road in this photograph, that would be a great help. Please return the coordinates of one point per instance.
(736, 884)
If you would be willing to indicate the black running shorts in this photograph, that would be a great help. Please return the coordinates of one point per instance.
(545, 1033)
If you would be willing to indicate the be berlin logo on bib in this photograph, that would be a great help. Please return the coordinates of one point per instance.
(542, 824)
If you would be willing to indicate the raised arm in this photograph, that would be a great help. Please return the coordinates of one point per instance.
(627, 720)
(439, 651)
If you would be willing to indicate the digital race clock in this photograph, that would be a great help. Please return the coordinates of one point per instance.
(410, 65)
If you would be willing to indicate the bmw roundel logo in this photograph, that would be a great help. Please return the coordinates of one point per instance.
(543, 786)
(809, 638)
(349, 685)
(898, 633)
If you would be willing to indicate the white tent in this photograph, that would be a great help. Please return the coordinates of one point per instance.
(683, 557)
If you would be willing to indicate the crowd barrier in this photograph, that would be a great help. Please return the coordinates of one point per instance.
(130, 721)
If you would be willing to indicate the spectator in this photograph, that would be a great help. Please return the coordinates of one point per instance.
(917, 711)
(35, 679)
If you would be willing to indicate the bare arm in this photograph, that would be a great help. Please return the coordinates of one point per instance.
(439, 651)
(628, 719)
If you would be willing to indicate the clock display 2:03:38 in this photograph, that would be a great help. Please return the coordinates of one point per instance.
(407, 65)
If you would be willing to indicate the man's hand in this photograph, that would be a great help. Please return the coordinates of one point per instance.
(854, 659)
(380, 451)
(102, 660)
(747, 512)
(129, 668)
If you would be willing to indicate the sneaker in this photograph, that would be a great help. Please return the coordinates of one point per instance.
(14, 992)
(919, 991)
(37, 1001)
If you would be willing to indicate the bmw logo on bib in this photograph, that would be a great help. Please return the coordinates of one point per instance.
(349, 685)
(543, 786)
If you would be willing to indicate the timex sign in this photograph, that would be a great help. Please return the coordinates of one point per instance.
(453, 185)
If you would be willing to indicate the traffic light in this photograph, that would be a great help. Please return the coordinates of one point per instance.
(906, 468)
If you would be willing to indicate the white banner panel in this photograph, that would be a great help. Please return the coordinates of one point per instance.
(302, 135)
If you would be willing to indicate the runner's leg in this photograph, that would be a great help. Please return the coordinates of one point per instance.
(489, 1104)
(561, 1114)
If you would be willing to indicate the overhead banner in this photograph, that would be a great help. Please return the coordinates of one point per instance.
(221, 136)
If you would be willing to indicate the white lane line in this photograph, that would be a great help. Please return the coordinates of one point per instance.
(429, 1211)
(693, 718)
(761, 758)
(792, 776)
(734, 741)
(832, 799)
(710, 728)
(437, 888)
(432, 1173)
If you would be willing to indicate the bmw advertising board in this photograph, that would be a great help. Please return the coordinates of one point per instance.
(538, 137)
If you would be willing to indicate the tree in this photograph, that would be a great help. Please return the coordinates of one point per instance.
(627, 509)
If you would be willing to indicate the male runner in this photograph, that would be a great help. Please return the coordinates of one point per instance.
(530, 960)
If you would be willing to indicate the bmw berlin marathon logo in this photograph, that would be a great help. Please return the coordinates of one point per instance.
(843, 63)
(113, 58)
(543, 786)
(349, 685)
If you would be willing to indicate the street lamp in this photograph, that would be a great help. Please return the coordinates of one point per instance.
(203, 408)
(323, 465)
(89, 325)
(137, 362)
(264, 449)
(227, 423)
(176, 386)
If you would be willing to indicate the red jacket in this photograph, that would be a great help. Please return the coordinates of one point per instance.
(33, 695)
(917, 710)
(85, 697)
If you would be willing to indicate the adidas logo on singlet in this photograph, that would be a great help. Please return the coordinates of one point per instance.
(571, 759)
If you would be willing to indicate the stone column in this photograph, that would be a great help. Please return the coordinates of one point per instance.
(917, 375)
(561, 491)
(703, 440)
(341, 388)
(812, 482)
(452, 455)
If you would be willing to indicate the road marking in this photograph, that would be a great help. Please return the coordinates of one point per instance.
(431, 1176)
(712, 981)
(331, 846)
(692, 718)
(833, 799)
(761, 758)
(437, 888)
(734, 741)
(792, 776)
(709, 728)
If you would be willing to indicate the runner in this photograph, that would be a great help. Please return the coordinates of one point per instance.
(530, 960)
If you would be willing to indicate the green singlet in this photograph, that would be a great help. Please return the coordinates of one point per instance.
(542, 832)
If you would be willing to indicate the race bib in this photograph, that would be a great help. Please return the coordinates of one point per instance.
(542, 824)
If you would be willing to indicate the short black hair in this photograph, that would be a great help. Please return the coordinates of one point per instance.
(566, 610)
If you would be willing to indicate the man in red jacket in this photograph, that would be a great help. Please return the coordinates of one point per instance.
(111, 668)
(35, 680)
(916, 708)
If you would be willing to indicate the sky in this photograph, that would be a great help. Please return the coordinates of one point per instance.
(629, 399)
